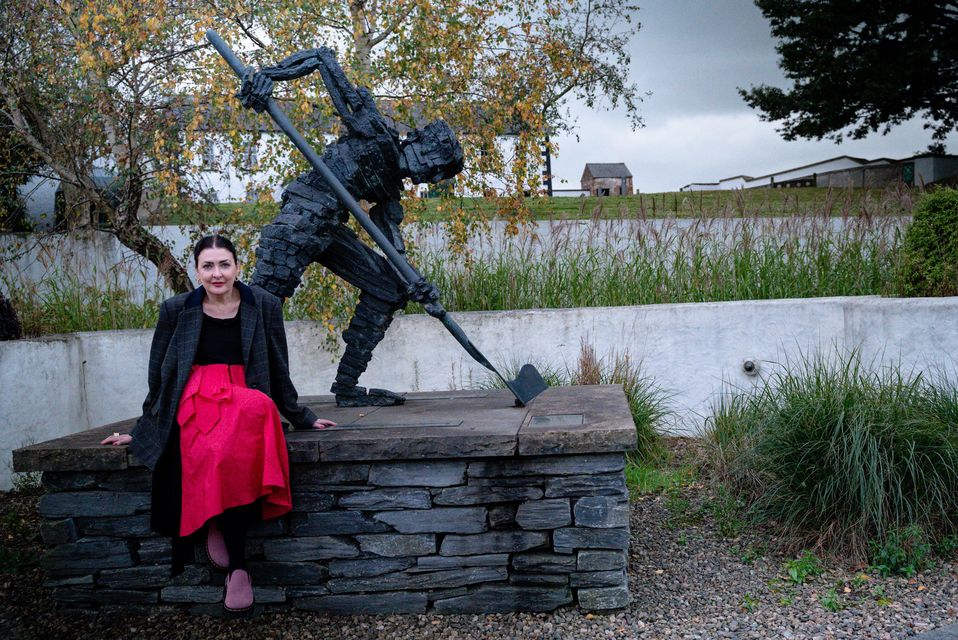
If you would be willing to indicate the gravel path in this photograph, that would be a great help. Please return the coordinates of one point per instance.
(687, 582)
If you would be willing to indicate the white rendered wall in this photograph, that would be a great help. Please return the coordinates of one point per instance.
(62, 384)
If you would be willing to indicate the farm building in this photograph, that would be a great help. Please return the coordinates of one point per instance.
(846, 171)
(607, 179)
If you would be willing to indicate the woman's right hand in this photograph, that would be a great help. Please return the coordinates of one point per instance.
(118, 439)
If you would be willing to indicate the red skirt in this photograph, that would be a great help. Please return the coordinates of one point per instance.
(231, 445)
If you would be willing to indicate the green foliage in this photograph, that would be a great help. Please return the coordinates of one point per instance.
(837, 453)
(64, 302)
(930, 248)
(947, 547)
(749, 603)
(668, 263)
(649, 476)
(17, 164)
(904, 552)
(805, 566)
(851, 64)
(728, 511)
(831, 601)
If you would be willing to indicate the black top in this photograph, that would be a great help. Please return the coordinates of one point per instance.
(220, 341)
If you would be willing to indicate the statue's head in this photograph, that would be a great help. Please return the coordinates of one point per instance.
(431, 154)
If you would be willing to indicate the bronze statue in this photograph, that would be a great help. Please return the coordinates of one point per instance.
(370, 161)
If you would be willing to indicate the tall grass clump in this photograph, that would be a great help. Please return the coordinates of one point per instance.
(648, 403)
(632, 262)
(840, 453)
(64, 302)
(930, 248)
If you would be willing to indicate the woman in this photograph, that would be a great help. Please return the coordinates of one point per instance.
(210, 430)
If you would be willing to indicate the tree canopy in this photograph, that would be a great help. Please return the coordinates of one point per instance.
(133, 88)
(861, 66)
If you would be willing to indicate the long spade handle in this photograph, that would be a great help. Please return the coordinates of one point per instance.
(395, 258)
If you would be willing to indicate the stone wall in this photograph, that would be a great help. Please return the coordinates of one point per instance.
(451, 503)
(449, 536)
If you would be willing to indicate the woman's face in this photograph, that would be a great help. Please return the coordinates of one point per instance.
(216, 270)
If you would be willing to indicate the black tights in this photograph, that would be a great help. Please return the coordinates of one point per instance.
(233, 524)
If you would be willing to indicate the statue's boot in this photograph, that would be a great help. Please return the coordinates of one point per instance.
(367, 328)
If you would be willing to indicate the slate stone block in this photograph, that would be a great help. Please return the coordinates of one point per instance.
(155, 551)
(71, 480)
(311, 501)
(283, 573)
(439, 563)
(432, 473)
(576, 486)
(308, 548)
(592, 560)
(268, 595)
(268, 528)
(59, 531)
(366, 567)
(127, 480)
(601, 512)
(305, 591)
(151, 576)
(81, 595)
(94, 504)
(480, 494)
(86, 555)
(444, 520)
(382, 499)
(493, 542)
(582, 538)
(538, 579)
(305, 475)
(504, 598)
(395, 545)
(543, 563)
(614, 578)
(502, 516)
(120, 527)
(603, 598)
(544, 514)
(357, 604)
(549, 465)
(335, 523)
(200, 594)
(403, 581)
(71, 581)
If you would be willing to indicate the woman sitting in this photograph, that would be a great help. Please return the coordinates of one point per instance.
(210, 430)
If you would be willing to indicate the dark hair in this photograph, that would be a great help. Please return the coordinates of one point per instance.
(212, 242)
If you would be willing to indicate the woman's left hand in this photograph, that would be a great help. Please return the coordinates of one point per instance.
(322, 423)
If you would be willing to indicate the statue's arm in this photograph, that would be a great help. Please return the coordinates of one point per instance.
(257, 86)
(301, 63)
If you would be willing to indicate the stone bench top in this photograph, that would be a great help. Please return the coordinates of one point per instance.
(443, 424)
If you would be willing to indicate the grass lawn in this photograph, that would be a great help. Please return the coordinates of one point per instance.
(752, 202)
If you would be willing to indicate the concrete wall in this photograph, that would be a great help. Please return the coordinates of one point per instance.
(62, 384)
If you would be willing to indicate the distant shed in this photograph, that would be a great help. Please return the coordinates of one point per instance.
(607, 179)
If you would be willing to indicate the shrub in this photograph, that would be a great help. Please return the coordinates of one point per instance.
(930, 248)
(837, 453)
(903, 552)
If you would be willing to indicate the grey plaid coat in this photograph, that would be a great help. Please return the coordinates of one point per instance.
(265, 360)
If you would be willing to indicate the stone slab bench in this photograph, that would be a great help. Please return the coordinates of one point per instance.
(456, 502)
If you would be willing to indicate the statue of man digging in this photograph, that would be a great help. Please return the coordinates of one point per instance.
(371, 161)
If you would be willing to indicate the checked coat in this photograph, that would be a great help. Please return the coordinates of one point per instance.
(265, 360)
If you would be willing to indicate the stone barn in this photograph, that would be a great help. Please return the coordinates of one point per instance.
(607, 179)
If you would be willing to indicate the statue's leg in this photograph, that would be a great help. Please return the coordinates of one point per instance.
(382, 293)
(290, 243)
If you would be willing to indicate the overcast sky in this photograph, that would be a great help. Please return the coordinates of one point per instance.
(692, 55)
